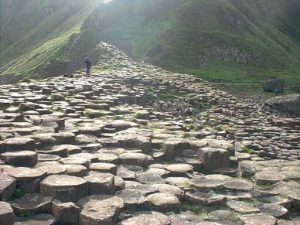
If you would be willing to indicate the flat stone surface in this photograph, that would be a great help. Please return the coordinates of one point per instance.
(164, 202)
(274, 210)
(7, 187)
(7, 216)
(40, 219)
(268, 177)
(56, 185)
(21, 158)
(242, 207)
(171, 189)
(33, 203)
(147, 218)
(104, 167)
(66, 212)
(100, 209)
(133, 199)
(19, 144)
(100, 183)
(27, 179)
(139, 159)
(238, 185)
(204, 197)
(254, 219)
(179, 169)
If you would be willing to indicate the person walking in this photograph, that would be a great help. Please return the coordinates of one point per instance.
(88, 65)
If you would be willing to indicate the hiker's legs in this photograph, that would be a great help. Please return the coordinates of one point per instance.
(88, 71)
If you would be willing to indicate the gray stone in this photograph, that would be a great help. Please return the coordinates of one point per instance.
(7, 216)
(7, 187)
(100, 210)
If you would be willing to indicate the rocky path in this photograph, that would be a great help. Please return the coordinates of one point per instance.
(135, 144)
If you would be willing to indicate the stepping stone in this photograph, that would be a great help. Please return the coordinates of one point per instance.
(185, 218)
(214, 158)
(294, 194)
(158, 171)
(238, 185)
(64, 138)
(100, 183)
(179, 169)
(119, 183)
(76, 161)
(119, 125)
(143, 188)
(147, 218)
(276, 200)
(170, 189)
(62, 152)
(7, 216)
(224, 216)
(40, 219)
(104, 168)
(277, 211)
(100, 209)
(129, 171)
(241, 207)
(21, 158)
(149, 178)
(164, 202)
(18, 144)
(65, 212)
(7, 186)
(181, 182)
(27, 179)
(82, 139)
(76, 170)
(52, 168)
(206, 184)
(107, 158)
(33, 203)
(173, 147)
(44, 140)
(254, 219)
(71, 149)
(58, 185)
(204, 197)
(46, 157)
(133, 199)
(288, 222)
(138, 159)
(268, 177)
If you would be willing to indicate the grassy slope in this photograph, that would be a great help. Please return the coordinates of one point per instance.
(38, 31)
(238, 40)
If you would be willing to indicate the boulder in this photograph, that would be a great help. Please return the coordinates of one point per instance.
(288, 103)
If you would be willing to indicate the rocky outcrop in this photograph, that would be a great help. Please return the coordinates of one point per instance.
(157, 148)
(288, 104)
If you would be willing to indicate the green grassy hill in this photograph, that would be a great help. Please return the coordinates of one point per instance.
(36, 32)
(234, 40)
(237, 40)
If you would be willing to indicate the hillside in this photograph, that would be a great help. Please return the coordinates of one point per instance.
(34, 32)
(234, 40)
(237, 40)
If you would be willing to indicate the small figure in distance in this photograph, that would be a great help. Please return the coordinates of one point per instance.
(88, 65)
